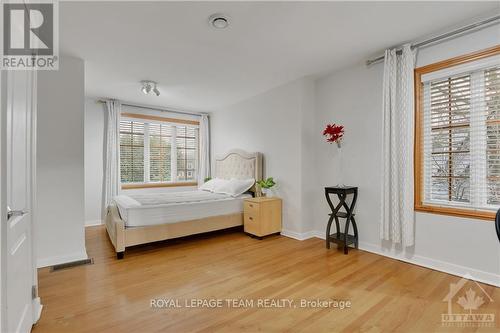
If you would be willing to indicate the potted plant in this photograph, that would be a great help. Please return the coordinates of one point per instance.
(266, 186)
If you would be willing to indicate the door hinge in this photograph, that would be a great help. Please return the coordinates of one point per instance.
(34, 292)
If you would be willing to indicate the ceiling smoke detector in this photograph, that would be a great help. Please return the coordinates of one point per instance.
(218, 21)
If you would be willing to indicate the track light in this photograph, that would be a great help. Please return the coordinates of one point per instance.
(148, 87)
(156, 91)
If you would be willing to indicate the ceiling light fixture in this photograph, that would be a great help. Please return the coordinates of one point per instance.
(218, 21)
(148, 87)
(156, 91)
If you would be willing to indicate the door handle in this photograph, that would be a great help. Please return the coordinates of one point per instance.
(14, 213)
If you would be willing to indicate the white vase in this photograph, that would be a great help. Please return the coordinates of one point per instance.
(340, 166)
(269, 192)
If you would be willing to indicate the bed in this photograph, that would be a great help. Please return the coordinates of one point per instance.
(145, 218)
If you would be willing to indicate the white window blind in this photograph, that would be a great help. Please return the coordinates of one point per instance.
(157, 152)
(160, 152)
(187, 146)
(131, 151)
(462, 138)
(492, 104)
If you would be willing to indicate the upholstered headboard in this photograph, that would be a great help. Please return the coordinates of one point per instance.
(239, 164)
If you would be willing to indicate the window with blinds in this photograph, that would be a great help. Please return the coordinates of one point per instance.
(160, 152)
(461, 136)
(186, 153)
(131, 151)
(157, 152)
(492, 104)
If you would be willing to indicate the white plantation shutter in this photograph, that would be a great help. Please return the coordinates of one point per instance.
(462, 136)
(157, 152)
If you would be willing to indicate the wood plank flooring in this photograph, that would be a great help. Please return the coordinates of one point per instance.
(114, 296)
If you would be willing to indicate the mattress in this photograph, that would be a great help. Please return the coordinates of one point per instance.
(138, 210)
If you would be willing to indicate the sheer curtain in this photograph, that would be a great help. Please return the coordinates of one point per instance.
(398, 218)
(204, 170)
(112, 155)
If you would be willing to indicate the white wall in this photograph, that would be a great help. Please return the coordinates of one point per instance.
(353, 98)
(94, 147)
(285, 124)
(59, 224)
(271, 123)
(94, 159)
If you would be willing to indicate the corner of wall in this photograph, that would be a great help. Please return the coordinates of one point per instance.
(60, 163)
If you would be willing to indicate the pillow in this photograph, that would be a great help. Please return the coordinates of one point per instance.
(234, 187)
(211, 184)
(207, 186)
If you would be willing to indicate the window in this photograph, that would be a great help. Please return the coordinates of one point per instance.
(186, 152)
(457, 152)
(160, 152)
(156, 151)
(132, 151)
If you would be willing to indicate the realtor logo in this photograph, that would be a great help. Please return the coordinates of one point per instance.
(469, 300)
(30, 35)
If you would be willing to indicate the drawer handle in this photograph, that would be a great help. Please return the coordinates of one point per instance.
(250, 205)
(250, 218)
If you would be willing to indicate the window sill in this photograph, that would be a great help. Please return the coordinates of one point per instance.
(459, 212)
(154, 185)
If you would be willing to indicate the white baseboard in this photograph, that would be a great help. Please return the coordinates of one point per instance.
(56, 260)
(298, 235)
(438, 265)
(37, 309)
(427, 262)
(92, 223)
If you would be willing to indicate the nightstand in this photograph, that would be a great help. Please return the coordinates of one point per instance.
(262, 216)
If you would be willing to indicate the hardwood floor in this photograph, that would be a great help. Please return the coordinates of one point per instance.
(114, 296)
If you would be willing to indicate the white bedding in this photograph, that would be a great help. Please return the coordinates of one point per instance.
(138, 210)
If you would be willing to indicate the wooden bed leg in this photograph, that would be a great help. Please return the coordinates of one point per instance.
(120, 255)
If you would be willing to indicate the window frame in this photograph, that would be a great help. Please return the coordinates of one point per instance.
(419, 204)
(148, 184)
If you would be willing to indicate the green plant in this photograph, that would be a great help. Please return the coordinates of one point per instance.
(267, 183)
(207, 179)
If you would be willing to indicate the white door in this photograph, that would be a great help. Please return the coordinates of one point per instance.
(18, 272)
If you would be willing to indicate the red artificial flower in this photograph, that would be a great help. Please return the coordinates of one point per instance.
(333, 133)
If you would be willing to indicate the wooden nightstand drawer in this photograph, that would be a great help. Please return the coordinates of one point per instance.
(251, 224)
(251, 208)
(262, 216)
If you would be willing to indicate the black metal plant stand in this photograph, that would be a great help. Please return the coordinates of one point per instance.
(342, 238)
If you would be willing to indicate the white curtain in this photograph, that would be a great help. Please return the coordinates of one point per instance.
(204, 169)
(112, 157)
(398, 218)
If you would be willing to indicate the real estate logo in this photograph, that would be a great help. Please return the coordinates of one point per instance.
(30, 38)
(469, 296)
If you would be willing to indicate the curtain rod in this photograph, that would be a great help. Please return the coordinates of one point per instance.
(441, 37)
(103, 101)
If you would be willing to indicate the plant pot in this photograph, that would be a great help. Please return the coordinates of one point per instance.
(268, 192)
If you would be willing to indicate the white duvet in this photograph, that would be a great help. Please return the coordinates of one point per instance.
(156, 199)
(158, 208)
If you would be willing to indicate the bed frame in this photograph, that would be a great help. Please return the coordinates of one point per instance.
(234, 164)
